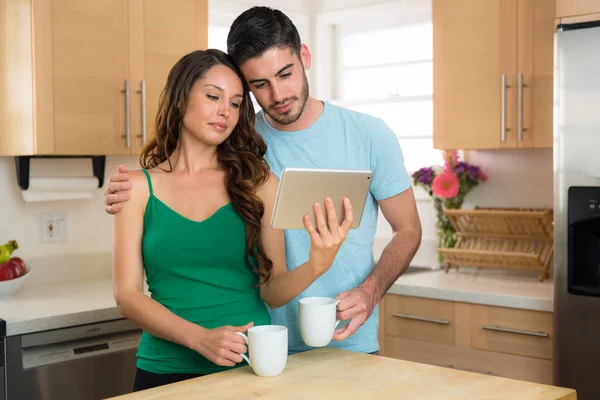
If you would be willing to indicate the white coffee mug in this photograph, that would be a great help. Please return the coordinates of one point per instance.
(267, 349)
(318, 321)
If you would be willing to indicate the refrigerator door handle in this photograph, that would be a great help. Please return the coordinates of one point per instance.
(517, 331)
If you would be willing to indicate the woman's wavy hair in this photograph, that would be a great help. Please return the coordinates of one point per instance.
(241, 154)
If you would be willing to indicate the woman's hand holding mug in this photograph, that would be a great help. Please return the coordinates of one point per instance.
(222, 345)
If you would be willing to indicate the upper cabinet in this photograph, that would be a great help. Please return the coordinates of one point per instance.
(84, 77)
(572, 8)
(493, 67)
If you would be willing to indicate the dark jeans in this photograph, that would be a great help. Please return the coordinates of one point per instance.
(147, 380)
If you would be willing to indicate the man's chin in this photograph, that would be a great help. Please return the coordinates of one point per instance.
(285, 118)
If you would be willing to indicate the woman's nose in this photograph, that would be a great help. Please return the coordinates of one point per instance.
(225, 110)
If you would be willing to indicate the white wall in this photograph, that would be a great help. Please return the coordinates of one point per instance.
(89, 227)
(517, 178)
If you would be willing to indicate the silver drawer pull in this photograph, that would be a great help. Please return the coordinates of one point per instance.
(435, 321)
(508, 330)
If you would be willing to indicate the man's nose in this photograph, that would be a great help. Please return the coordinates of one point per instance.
(277, 93)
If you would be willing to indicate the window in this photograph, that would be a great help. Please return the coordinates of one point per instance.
(217, 37)
(388, 73)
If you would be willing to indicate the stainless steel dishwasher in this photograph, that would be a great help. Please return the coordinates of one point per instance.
(85, 362)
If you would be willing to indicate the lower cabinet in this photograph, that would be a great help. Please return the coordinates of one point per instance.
(498, 341)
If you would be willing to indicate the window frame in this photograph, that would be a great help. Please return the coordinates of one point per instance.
(340, 31)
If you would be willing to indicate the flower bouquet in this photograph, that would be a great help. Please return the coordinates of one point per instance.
(448, 185)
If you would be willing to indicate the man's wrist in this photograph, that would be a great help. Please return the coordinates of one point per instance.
(370, 287)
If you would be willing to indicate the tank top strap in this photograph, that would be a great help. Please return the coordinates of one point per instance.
(149, 181)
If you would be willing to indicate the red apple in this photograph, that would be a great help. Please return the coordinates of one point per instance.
(8, 271)
(20, 265)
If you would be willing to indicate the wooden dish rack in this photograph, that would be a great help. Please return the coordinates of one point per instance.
(509, 238)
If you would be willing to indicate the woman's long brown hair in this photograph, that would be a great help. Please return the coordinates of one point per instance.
(241, 155)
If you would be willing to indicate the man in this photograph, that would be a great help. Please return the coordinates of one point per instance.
(301, 131)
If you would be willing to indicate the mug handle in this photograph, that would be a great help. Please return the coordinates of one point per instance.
(337, 321)
(243, 355)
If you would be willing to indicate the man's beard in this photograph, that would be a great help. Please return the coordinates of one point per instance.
(287, 117)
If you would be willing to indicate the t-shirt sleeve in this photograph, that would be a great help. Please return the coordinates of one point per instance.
(387, 163)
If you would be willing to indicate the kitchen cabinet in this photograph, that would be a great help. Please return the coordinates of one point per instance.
(572, 8)
(491, 340)
(83, 78)
(493, 67)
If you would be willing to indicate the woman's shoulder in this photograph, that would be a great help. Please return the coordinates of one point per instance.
(138, 176)
(140, 183)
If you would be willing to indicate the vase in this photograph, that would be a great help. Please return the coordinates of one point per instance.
(445, 231)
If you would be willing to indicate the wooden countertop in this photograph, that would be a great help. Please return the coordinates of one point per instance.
(328, 374)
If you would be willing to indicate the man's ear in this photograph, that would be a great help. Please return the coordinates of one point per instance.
(305, 56)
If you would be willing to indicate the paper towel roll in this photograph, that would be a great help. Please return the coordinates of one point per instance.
(49, 189)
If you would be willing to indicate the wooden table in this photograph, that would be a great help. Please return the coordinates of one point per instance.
(327, 374)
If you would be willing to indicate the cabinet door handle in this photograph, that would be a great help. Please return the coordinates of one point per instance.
(503, 117)
(127, 134)
(142, 91)
(520, 108)
(517, 331)
(470, 370)
(435, 321)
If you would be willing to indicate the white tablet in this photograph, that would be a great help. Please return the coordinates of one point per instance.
(300, 188)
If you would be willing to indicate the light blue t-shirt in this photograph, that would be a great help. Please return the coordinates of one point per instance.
(339, 139)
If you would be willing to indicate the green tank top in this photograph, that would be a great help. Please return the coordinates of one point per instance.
(197, 270)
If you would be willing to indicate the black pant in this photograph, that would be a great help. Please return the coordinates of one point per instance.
(147, 380)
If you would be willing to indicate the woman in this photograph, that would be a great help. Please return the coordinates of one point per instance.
(197, 224)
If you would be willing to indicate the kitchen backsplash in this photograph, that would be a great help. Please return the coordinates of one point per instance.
(517, 178)
(89, 228)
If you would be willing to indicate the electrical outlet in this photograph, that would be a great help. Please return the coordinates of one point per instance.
(54, 227)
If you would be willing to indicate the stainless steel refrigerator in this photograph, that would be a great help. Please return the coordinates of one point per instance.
(577, 208)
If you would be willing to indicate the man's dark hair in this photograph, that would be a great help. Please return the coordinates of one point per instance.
(259, 29)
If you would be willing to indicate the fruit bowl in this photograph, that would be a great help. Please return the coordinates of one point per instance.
(7, 288)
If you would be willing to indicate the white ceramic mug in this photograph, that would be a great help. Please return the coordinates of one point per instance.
(318, 321)
(267, 349)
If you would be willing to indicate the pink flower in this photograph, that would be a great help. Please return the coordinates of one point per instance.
(482, 176)
(445, 185)
(450, 159)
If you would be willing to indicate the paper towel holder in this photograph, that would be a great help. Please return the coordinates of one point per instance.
(22, 166)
